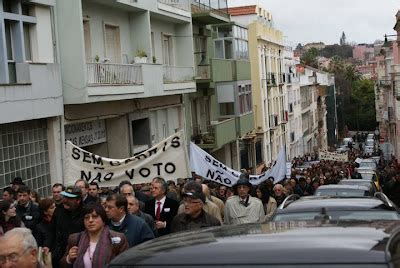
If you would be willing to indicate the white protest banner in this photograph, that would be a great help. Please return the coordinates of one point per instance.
(167, 159)
(210, 168)
(325, 155)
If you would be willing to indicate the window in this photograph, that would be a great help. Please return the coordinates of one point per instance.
(226, 99)
(7, 6)
(228, 46)
(227, 108)
(113, 44)
(245, 101)
(25, 9)
(88, 44)
(167, 50)
(27, 42)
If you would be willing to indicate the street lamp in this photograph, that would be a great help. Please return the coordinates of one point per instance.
(386, 42)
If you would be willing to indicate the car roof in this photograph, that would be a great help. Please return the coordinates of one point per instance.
(355, 181)
(342, 187)
(315, 203)
(367, 160)
(266, 244)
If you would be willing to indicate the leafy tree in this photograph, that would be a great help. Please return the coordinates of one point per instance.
(359, 109)
(343, 51)
(310, 57)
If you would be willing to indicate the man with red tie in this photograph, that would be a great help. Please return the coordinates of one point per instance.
(162, 208)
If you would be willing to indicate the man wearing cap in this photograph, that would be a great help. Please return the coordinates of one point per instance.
(67, 219)
(208, 206)
(243, 208)
(194, 217)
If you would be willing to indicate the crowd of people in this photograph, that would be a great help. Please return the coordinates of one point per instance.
(87, 226)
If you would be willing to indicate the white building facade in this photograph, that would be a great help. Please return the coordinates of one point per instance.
(125, 66)
(31, 103)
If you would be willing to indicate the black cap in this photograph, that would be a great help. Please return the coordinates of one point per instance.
(196, 195)
(243, 181)
(72, 192)
(17, 181)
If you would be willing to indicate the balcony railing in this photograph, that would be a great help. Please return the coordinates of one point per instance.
(207, 137)
(218, 7)
(203, 72)
(174, 74)
(114, 74)
(180, 4)
(271, 81)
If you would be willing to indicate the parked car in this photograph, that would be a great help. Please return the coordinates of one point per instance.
(334, 208)
(368, 163)
(369, 149)
(342, 148)
(370, 142)
(282, 245)
(370, 136)
(360, 182)
(343, 190)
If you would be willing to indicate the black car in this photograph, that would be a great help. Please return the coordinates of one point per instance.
(301, 244)
(336, 208)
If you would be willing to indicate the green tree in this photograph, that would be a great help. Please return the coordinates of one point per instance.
(310, 57)
(359, 109)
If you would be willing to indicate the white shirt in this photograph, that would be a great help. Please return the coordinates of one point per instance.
(162, 200)
(119, 222)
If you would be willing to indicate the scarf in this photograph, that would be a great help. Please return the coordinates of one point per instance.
(102, 253)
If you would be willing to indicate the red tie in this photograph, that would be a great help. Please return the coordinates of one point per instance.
(158, 212)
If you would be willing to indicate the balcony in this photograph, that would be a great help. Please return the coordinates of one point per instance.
(176, 74)
(203, 72)
(244, 124)
(210, 12)
(179, 4)
(271, 81)
(217, 135)
(114, 74)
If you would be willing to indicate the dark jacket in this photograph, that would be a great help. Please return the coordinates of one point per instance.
(135, 229)
(168, 212)
(183, 222)
(392, 190)
(149, 220)
(63, 223)
(43, 233)
(29, 215)
(90, 200)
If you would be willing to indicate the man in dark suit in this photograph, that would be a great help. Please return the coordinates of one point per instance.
(162, 208)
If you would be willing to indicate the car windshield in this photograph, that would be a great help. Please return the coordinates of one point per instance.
(342, 192)
(339, 215)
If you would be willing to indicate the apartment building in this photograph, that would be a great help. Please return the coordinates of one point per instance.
(126, 66)
(221, 111)
(387, 92)
(31, 102)
(269, 97)
(314, 86)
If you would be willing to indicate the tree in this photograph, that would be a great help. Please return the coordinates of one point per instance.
(359, 110)
(343, 39)
(310, 57)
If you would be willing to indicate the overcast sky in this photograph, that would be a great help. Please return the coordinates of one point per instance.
(304, 21)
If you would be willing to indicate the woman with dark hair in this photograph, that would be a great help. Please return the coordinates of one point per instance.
(97, 245)
(43, 231)
(35, 197)
(268, 201)
(8, 217)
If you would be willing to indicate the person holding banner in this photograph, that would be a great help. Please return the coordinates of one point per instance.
(243, 208)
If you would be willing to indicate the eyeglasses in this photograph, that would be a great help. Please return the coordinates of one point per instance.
(13, 257)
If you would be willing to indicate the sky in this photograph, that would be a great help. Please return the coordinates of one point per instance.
(304, 21)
